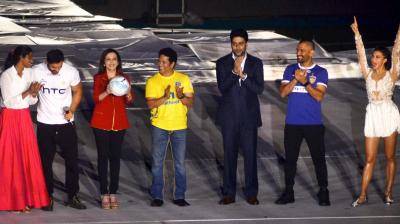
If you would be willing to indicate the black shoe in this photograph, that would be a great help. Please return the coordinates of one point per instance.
(323, 197)
(181, 202)
(49, 208)
(157, 203)
(285, 198)
(74, 202)
(252, 200)
(226, 200)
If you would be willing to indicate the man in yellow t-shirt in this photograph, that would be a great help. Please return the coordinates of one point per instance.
(169, 95)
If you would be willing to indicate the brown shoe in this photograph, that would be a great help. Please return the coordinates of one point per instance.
(113, 201)
(226, 200)
(105, 201)
(26, 210)
(252, 200)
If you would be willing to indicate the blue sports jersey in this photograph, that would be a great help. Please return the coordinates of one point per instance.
(302, 108)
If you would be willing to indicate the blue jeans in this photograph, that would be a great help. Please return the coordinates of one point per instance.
(160, 140)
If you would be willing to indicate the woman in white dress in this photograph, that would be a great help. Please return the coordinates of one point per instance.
(382, 118)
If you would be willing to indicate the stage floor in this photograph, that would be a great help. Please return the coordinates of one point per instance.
(343, 110)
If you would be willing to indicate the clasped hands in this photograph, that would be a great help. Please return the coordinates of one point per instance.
(34, 88)
(178, 89)
(237, 67)
(301, 76)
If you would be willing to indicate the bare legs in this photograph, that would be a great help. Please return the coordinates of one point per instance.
(371, 151)
(390, 154)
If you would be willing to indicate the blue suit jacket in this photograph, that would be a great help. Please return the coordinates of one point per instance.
(239, 103)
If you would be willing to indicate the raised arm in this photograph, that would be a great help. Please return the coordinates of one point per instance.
(362, 57)
(394, 71)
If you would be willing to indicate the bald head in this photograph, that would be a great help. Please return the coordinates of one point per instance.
(308, 42)
(305, 52)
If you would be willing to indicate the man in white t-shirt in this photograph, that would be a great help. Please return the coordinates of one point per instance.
(59, 99)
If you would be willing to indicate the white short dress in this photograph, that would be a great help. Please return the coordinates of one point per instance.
(382, 117)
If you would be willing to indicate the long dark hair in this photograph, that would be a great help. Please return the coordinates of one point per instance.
(386, 54)
(14, 56)
(102, 67)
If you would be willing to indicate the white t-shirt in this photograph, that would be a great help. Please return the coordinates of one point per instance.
(56, 92)
(12, 86)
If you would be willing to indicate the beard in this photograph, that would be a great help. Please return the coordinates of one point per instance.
(300, 59)
(239, 53)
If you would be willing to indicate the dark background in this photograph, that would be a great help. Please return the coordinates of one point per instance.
(327, 21)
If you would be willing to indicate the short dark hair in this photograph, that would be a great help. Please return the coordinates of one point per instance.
(309, 42)
(239, 33)
(386, 54)
(170, 53)
(102, 66)
(54, 56)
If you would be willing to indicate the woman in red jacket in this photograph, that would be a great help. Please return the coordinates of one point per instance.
(109, 123)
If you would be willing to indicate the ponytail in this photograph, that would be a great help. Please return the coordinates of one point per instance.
(9, 60)
(14, 56)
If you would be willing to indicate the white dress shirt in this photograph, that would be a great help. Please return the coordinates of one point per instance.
(12, 86)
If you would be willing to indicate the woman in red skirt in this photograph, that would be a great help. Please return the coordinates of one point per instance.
(22, 183)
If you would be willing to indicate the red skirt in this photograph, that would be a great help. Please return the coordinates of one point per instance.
(21, 175)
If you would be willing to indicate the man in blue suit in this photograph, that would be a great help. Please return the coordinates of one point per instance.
(240, 80)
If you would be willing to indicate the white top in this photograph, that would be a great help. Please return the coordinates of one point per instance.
(56, 92)
(382, 89)
(379, 90)
(12, 86)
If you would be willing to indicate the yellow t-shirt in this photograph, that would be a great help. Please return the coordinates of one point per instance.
(172, 115)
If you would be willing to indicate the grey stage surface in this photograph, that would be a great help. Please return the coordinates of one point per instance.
(343, 109)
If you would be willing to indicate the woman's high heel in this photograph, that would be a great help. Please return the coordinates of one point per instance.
(105, 201)
(388, 199)
(359, 202)
(113, 201)
(26, 210)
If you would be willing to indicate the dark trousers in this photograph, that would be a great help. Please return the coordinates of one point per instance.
(314, 136)
(63, 135)
(109, 144)
(235, 137)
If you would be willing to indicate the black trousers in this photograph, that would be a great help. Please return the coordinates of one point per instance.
(63, 135)
(235, 137)
(109, 144)
(314, 136)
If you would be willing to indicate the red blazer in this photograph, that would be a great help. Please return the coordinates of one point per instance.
(110, 113)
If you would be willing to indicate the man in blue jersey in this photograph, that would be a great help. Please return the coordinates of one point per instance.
(305, 85)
